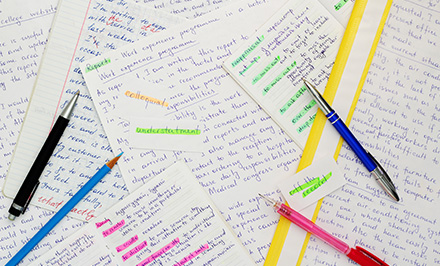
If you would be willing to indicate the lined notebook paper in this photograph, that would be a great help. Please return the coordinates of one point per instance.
(82, 29)
(168, 221)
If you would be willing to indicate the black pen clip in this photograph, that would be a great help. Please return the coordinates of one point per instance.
(30, 197)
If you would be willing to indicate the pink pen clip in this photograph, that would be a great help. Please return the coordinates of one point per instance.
(364, 257)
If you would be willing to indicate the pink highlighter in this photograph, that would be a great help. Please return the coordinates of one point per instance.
(358, 254)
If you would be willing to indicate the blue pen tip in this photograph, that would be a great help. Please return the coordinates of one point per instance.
(119, 155)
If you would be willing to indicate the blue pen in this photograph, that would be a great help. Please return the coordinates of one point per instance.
(62, 212)
(367, 159)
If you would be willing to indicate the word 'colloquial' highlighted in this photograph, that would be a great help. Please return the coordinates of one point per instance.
(145, 98)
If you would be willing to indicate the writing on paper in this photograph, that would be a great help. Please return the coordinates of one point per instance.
(312, 183)
(127, 244)
(84, 145)
(114, 228)
(242, 145)
(298, 42)
(170, 221)
(340, 4)
(396, 119)
(247, 51)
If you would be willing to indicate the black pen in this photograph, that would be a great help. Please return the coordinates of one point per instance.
(366, 158)
(31, 182)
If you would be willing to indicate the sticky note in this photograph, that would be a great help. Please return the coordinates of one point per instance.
(313, 183)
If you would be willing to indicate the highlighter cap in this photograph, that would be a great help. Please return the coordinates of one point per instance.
(365, 258)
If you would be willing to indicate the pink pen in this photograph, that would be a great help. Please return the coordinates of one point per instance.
(358, 254)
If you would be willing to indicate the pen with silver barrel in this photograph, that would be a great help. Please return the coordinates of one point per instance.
(367, 159)
(31, 182)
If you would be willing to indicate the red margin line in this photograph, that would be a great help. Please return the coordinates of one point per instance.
(71, 61)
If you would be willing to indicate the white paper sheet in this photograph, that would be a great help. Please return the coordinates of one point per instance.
(396, 119)
(300, 41)
(168, 221)
(93, 26)
(24, 28)
(312, 183)
(247, 152)
(347, 89)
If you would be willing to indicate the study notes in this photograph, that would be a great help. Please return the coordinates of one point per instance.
(397, 117)
(168, 221)
(24, 27)
(300, 41)
(98, 26)
(245, 152)
(24, 34)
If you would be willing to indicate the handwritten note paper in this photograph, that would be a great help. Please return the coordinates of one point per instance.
(313, 183)
(168, 221)
(396, 118)
(84, 146)
(24, 28)
(246, 151)
(300, 41)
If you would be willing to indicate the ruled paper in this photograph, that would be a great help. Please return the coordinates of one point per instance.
(82, 29)
(168, 221)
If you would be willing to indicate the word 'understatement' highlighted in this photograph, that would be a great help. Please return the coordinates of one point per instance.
(145, 98)
(311, 186)
(168, 131)
(97, 65)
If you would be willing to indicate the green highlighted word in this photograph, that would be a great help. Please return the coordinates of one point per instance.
(293, 99)
(97, 65)
(306, 124)
(278, 78)
(311, 186)
(266, 69)
(340, 4)
(247, 51)
(168, 131)
(252, 63)
(304, 111)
